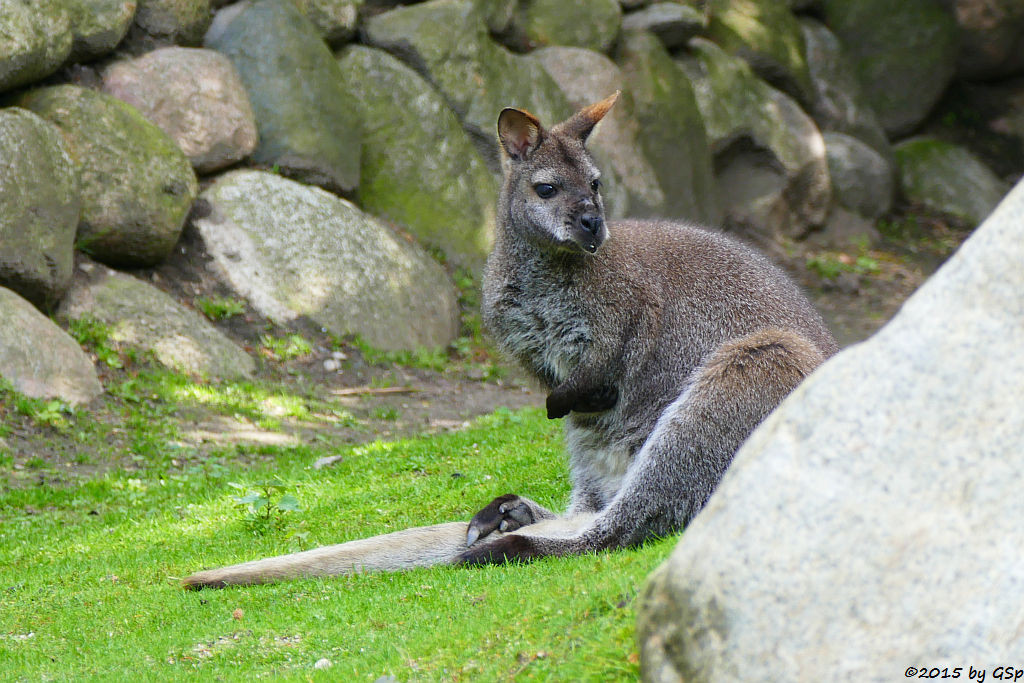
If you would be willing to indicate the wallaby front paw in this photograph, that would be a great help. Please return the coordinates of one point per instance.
(603, 398)
(504, 513)
(559, 403)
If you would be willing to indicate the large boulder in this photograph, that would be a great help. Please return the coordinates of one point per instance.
(767, 35)
(872, 523)
(308, 124)
(903, 52)
(136, 184)
(193, 95)
(420, 169)
(591, 24)
(838, 103)
(629, 184)
(670, 132)
(862, 179)
(948, 178)
(39, 359)
(35, 41)
(39, 207)
(991, 37)
(447, 42)
(673, 22)
(335, 19)
(294, 250)
(988, 118)
(179, 21)
(770, 157)
(141, 316)
(98, 26)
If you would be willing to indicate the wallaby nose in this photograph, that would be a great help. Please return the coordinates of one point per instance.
(592, 222)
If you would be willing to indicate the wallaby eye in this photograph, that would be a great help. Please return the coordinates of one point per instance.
(595, 184)
(545, 191)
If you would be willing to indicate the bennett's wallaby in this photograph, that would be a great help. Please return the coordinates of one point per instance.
(665, 345)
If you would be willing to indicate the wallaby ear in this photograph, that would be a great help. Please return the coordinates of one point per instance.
(582, 123)
(519, 132)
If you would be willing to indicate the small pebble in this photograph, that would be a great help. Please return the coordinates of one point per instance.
(322, 664)
(331, 365)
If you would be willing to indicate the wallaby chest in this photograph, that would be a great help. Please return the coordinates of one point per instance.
(540, 318)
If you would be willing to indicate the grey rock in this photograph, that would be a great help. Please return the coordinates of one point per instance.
(447, 42)
(35, 41)
(845, 230)
(838, 103)
(141, 316)
(670, 131)
(308, 125)
(419, 167)
(39, 359)
(591, 24)
(293, 250)
(136, 184)
(862, 179)
(193, 95)
(334, 19)
(39, 207)
(98, 26)
(991, 37)
(181, 21)
(768, 37)
(629, 183)
(904, 54)
(770, 157)
(948, 178)
(673, 22)
(872, 522)
(996, 113)
(500, 16)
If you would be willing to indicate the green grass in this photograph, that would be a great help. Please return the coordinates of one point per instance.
(286, 348)
(88, 573)
(219, 307)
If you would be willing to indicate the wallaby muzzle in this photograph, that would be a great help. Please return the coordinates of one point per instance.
(589, 227)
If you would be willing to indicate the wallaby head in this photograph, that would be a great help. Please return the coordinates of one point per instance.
(551, 194)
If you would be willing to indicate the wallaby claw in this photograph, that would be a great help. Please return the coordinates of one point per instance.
(504, 513)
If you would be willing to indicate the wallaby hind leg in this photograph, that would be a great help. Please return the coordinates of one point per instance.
(678, 467)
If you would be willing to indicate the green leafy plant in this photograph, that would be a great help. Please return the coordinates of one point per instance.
(265, 504)
(52, 413)
(386, 413)
(830, 265)
(95, 336)
(286, 348)
(219, 307)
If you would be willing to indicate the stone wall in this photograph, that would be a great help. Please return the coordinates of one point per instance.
(122, 123)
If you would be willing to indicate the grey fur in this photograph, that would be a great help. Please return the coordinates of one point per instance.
(665, 344)
(696, 336)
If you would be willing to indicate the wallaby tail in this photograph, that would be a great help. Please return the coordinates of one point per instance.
(422, 546)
